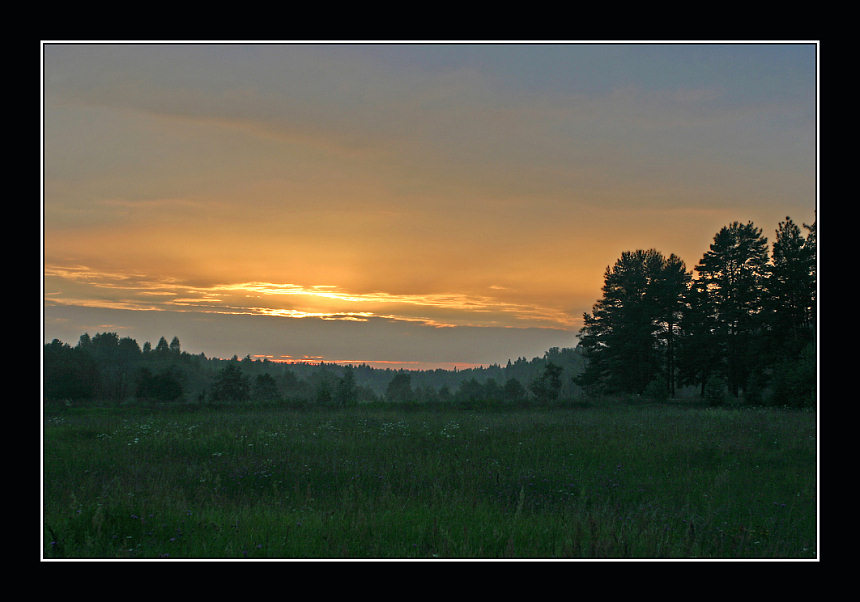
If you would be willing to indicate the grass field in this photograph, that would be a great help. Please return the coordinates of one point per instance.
(613, 481)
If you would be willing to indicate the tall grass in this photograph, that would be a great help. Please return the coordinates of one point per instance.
(602, 482)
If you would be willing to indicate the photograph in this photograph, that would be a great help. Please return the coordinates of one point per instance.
(429, 300)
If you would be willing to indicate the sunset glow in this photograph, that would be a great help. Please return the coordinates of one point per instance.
(408, 205)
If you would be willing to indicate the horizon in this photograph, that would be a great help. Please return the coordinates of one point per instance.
(411, 204)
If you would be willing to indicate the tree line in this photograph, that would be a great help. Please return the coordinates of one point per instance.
(111, 369)
(742, 324)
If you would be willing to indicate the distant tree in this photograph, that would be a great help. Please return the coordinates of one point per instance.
(174, 345)
(492, 390)
(444, 394)
(129, 348)
(425, 393)
(128, 355)
(115, 358)
(324, 385)
(365, 393)
(84, 342)
(470, 391)
(265, 388)
(346, 393)
(547, 386)
(399, 388)
(163, 386)
(513, 391)
(294, 388)
(68, 373)
(105, 343)
(162, 347)
(231, 384)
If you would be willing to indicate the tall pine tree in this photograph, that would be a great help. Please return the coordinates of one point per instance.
(629, 339)
(731, 279)
(791, 288)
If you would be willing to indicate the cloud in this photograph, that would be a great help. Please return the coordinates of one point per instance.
(84, 286)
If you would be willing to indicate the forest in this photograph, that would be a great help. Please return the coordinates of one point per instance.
(739, 328)
(107, 368)
(744, 326)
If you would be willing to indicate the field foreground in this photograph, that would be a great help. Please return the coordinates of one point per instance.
(618, 481)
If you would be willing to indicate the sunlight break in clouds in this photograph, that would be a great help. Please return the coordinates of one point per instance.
(133, 291)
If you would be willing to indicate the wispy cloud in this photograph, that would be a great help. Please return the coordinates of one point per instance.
(327, 302)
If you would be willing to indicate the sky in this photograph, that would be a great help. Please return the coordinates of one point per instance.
(405, 205)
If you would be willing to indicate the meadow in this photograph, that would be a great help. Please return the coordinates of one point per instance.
(604, 481)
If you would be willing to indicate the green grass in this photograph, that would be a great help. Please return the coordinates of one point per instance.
(371, 482)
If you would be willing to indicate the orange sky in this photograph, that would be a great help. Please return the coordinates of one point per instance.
(355, 201)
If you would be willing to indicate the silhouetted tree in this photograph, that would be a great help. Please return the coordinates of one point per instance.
(399, 388)
(115, 358)
(162, 346)
(732, 278)
(791, 288)
(492, 390)
(547, 386)
(670, 290)
(68, 373)
(84, 342)
(425, 394)
(632, 326)
(470, 391)
(697, 352)
(295, 389)
(265, 388)
(513, 391)
(324, 384)
(163, 386)
(231, 384)
(346, 393)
